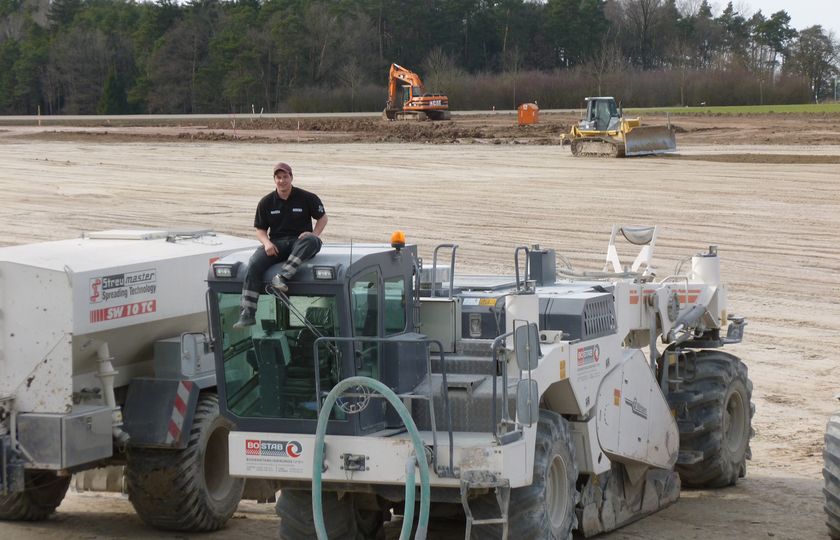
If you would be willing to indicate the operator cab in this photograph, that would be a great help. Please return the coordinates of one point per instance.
(602, 114)
(267, 371)
(409, 92)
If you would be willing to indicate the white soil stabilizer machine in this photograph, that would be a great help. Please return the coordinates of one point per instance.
(605, 131)
(105, 360)
(831, 474)
(532, 405)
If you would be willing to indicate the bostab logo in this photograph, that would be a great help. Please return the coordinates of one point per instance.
(292, 449)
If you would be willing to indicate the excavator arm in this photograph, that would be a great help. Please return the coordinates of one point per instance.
(398, 75)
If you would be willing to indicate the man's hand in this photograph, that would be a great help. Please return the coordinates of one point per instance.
(270, 249)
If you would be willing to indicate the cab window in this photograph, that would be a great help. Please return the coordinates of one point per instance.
(364, 305)
(269, 368)
(395, 305)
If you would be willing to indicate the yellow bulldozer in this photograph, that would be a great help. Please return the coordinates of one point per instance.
(605, 131)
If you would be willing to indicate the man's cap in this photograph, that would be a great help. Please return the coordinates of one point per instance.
(283, 167)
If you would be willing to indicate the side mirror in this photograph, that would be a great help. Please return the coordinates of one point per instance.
(527, 401)
(526, 346)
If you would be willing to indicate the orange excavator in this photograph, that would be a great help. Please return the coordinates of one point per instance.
(407, 98)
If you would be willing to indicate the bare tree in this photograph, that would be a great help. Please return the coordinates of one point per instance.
(681, 57)
(641, 17)
(288, 60)
(359, 42)
(352, 75)
(78, 65)
(440, 71)
(323, 32)
(511, 62)
(689, 8)
(606, 59)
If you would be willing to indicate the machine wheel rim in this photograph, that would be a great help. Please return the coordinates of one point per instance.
(556, 492)
(216, 476)
(735, 421)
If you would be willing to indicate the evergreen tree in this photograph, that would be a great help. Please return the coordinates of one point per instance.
(113, 100)
(9, 54)
(173, 56)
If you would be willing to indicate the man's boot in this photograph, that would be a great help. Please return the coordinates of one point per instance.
(279, 284)
(246, 318)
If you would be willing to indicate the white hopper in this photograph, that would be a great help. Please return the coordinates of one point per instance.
(60, 301)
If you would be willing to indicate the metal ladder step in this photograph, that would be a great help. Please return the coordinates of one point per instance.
(471, 480)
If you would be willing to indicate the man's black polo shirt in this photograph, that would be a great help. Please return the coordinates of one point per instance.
(290, 217)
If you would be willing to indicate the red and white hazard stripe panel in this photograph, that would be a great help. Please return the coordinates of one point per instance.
(179, 411)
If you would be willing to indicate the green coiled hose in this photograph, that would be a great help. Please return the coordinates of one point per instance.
(419, 451)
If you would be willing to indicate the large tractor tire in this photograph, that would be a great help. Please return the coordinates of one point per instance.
(43, 492)
(546, 508)
(714, 413)
(189, 489)
(831, 473)
(342, 520)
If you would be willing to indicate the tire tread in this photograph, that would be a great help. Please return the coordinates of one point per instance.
(526, 514)
(831, 474)
(43, 494)
(707, 376)
(297, 522)
(166, 487)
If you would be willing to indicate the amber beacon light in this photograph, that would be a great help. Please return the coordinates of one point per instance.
(398, 240)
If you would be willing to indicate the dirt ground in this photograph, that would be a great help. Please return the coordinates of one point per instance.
(496, 128)
(772, 206)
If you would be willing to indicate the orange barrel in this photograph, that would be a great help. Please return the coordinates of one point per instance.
(529, 113)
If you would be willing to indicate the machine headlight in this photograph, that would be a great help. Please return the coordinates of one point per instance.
(324, 272)
(225, 271)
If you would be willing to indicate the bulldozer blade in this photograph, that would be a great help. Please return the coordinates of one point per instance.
(646, 140)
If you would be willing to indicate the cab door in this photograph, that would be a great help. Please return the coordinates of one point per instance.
(366, 319)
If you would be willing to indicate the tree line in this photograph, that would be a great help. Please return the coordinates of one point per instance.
(214, 56)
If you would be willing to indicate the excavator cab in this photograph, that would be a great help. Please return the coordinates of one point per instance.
(409, 91)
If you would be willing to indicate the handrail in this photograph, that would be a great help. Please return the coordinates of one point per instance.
(524, 285)
(496, 345)
(453, 247)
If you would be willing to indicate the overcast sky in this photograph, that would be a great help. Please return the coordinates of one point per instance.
(803, 13)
